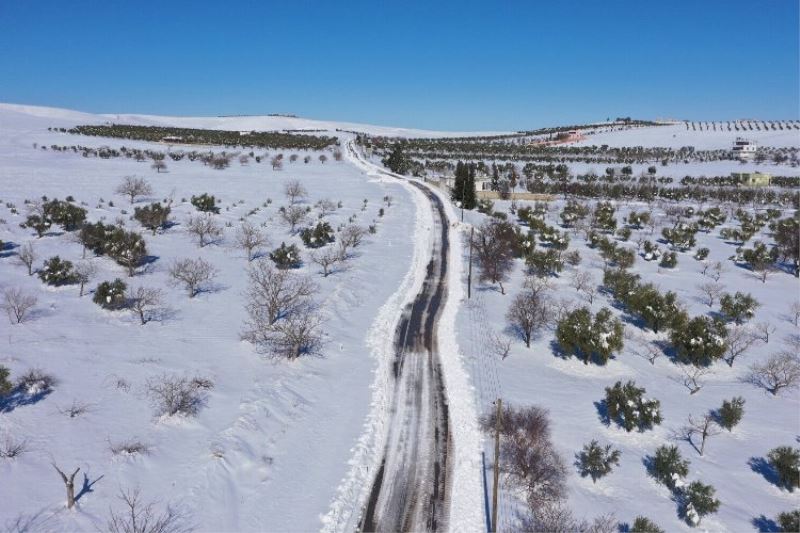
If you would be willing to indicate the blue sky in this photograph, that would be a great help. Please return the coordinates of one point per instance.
(446, 65)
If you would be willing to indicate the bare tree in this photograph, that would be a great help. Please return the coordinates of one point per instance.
(350, 237)
(780, 371)
(274, 293)
(294, 191)
(69, 483)
(717, 271)
(174, 395)
(323, 158)
(765, 329)
(794, 311)
(705, 427)
(158, 166)
(337, 154)
(85, 272)
(739, 340)
(10, 447)
(249, 238)
(192, 274)
(494, 251)
(297, 334)
(327, 259)
(132, 187)
(139, 517)
(499, 345)
(144, 302)
(693, 376)
(583, 282)
(277, 162)
(710, 292)
(326, 207)
(17, 304)
(27, 256)
(528, 313)
(293, 216)
(204, 227)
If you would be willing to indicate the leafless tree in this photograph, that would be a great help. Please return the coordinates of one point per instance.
(705, 427)
(710, 292)
(27, 256)
(192, 274)
(17, 304)
(139, 517)
(158, 166)
(69, 483)
(293, 158)
(295, 335)
(132, 187)
(528, 313)
(323, 158)
(129, 447)
(580, 279)
(780, 371)
(717, 271)
(75, 409)
(327, 259)
(277, 162)
(144, 302)
(337, 154)
(249, 238)
(794, 313)
(350, 237)
(274, 293)
(693, 376)
(85, 272)
(293, 216)
(499, 344)
(204, 227)
(739, 340)
(294, 191)
(244, 159)
(326, 207)
(11, 447)
(494, 252)
(764, 330)
(646, 349)
(172, 395)
(527, 454)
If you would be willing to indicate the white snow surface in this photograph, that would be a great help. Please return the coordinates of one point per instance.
(49, 116)
(273, 440)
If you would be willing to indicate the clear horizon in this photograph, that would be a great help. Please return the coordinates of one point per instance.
(452, 66)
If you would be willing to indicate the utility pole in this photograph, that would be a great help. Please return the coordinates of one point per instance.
(496, 462)
(469, 275)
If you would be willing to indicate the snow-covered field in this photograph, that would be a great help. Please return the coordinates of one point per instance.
(569, 390)
(273, 440)
(289, 446)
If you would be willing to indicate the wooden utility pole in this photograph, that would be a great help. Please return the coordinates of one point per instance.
(469, 275)
(496, 462)
(69, 482)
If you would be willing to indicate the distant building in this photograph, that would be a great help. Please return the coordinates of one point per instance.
(744, 149)
(171, 138)
(752, 179)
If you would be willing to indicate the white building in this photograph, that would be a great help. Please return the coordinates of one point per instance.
(744, 149)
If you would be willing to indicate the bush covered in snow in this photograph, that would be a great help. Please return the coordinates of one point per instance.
(668, 467)
(58, 272)
(699, 501)
(629, 408)
(317, 236)
(153, 217)
(729, 415)
(596, 461)
(286, 256)
(739, 307)
(589, 338)
(110, 294)
(786, 462)
(205, 203)
(700, 341)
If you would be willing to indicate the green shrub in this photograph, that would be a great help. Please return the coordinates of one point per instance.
(590, 339)
(668, 467)
(286, 256)
(58, 272)
(205, 203)
(627, 406)
(110, 294)
(644, 525)
(317, 236)
(699, 502)
(786, 462)
(730, 413)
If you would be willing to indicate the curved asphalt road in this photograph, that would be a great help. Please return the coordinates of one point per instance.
(410, 491)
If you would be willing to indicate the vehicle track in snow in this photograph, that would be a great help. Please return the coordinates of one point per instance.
(410, 491)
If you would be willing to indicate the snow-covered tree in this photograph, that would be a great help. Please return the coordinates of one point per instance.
(699, 501)
(110, 294)
(700, 341)
(627, 406)
(57, 271)
(785, 460)
(738, 307)
(668, 467)
(596, 461)
(590, 338)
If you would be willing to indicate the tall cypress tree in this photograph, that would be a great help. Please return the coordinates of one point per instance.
(456, 194)
(469, 188)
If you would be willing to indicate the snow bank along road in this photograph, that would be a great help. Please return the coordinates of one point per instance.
(410, 489)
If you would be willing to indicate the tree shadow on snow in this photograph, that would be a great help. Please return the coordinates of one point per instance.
(602, 412)
(21, 398)
(760, 465)
(766, 525)
(87, 486)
